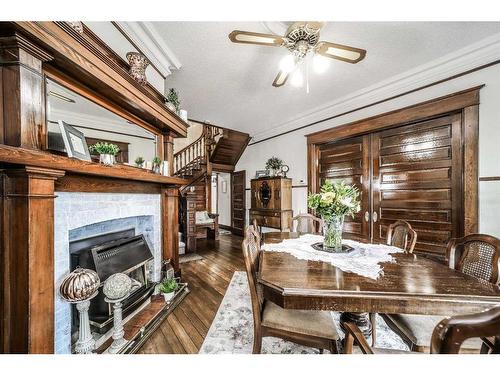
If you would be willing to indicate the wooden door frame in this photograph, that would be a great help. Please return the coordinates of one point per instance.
(237, 230)
(465, 102)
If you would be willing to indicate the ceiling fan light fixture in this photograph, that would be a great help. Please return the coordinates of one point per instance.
(287, 64)
(297, 79)
(320, 63)
(302, 40)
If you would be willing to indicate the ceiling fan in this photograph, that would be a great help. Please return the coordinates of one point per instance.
(302, 40)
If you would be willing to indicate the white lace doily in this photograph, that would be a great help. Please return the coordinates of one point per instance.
(364, 260)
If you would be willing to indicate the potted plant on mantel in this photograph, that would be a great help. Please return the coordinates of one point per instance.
(139, 162)
(168, 288)
(173, 102)
(333, 203)
(106, 151)
(273, 165)
(156, 164)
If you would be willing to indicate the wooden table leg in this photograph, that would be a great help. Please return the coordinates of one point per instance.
(360, 319)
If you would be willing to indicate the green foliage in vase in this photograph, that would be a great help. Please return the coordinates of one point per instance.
(173, 97)
(156, 161)
(104, 148)
(335, 199)
(168, 285)
(139, 161)
(274, 163)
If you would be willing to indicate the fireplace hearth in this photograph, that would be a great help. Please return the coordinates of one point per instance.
(107, 254)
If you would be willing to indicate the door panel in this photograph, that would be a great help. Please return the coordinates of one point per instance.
(238, 205)
(349, 160)
(417, 178)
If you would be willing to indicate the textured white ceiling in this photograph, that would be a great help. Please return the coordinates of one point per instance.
(230, 84)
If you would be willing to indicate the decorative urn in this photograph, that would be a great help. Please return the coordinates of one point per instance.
(79, 285)
(138, 64)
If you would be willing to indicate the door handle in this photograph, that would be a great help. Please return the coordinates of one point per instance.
(375, 216)
(367, 216)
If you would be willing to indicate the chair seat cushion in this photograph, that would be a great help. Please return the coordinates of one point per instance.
(419, 328)
(311, 323)
(201, 217)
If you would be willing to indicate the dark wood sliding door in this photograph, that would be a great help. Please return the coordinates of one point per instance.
(349, 161)
(417, 177)
(410, 172)
(418, 163)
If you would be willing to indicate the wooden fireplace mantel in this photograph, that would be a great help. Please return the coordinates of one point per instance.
(36, 158)
(31, 177)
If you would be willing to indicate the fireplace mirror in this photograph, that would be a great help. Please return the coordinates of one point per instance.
(96, 123)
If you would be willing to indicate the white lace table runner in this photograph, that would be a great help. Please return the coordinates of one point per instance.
(364, 260)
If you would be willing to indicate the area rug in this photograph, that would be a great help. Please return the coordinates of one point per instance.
(189, 258)
(232, 329)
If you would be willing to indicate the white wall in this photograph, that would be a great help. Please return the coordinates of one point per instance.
(193, 133)
(224, 198)
(292, 148)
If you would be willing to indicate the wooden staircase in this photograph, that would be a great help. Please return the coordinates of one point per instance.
(215, 148)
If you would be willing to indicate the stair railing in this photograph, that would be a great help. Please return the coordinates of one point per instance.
(198, 152)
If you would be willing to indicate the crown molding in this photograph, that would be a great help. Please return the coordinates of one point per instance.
(467, 58)
(144, 35)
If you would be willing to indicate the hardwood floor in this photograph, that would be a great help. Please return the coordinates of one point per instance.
(184, 330)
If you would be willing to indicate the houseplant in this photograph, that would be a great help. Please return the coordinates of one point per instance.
(333, 203)
(173, 101)
(139, 161)
(168, 288)
(274, 164)
(156, 164)
(106, 151)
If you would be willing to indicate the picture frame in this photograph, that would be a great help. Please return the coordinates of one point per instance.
(74, 142)
(261, 173)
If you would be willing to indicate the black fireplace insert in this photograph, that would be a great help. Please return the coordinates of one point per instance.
(107, 254)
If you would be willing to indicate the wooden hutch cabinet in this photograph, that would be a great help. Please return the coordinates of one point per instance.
(271, 202)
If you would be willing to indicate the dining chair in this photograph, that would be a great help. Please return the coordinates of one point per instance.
(306, 223)
(399, 234)
(402, 235)
(448, 336)
(310, 328)
(477, 255)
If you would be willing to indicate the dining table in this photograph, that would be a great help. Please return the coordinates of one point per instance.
(409, 284)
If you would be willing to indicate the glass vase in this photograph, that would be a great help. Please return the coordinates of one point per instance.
(332, 232)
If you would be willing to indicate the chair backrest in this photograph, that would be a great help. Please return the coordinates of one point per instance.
(251, 254)
(448, 336)
(402, 235)
(450, 333)
(306, 223)
(476, 255)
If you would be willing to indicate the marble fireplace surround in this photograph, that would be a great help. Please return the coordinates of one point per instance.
(79, 215)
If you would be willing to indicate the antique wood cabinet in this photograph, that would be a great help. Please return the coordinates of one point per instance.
(423, 171)
(271, 202)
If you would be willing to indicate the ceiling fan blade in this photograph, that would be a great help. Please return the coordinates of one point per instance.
(280, 79)
(248, 37)
(340, 52)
